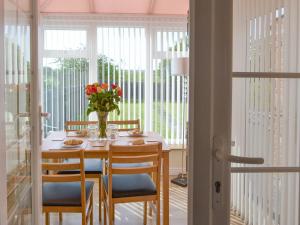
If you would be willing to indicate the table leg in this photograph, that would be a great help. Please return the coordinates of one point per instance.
(166, 188)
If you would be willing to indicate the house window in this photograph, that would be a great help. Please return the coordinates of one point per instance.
(137, 57)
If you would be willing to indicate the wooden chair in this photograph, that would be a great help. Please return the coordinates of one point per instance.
(93, 167)
(77, 125)
(131, 183)
(66, 192)
(133, 124)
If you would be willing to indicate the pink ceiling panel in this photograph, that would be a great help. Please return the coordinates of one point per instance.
(122, 6)
(22, 5)
(176, 7)
(65, 6)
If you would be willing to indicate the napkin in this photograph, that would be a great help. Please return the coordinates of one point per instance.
(138, 142)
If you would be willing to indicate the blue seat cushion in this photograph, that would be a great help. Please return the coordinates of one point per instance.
(129, 165)
(91, 166)
(64, 193)
(130, 185)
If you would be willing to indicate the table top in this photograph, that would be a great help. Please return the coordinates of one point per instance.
(55, 141)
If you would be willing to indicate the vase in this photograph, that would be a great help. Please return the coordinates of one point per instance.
(102, 121)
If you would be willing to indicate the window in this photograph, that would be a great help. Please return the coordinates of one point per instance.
(137, 57)
(266, 109)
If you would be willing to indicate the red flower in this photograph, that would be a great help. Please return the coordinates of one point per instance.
(104, 86)
(90, 89)
(114, 86)
(120, 93)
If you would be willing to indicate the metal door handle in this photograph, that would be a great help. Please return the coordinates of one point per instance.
(220, 155)
(27, 114)
(23, 114)
(45, 114)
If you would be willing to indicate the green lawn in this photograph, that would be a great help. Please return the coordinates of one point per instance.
(158, 108)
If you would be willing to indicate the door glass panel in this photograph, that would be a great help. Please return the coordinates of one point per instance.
(266, 120)
(266, 111)
(266, 123)
(17, 105)
(265, 199)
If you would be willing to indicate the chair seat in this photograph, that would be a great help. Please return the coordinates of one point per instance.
(130, 185)
(127, 165)
(91, 166)
(64, 193)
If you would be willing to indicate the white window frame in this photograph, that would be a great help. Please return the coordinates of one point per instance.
(90, 23)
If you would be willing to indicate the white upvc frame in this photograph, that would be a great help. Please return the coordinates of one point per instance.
(35, 116)
(112, 19)
(205, 80)
(90, 23)
(3, 175)
(210, 108)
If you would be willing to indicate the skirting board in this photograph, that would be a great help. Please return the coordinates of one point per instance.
(175, 171)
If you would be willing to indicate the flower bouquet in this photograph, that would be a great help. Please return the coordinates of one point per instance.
(102, 100)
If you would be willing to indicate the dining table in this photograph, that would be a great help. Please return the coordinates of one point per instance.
(55, 141)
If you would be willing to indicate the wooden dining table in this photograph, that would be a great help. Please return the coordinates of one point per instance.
(54, 141)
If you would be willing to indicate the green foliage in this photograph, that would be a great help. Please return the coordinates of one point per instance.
(78, 64)
(102, 100)
(107, 69)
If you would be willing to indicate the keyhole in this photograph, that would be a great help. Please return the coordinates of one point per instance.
(218, 186)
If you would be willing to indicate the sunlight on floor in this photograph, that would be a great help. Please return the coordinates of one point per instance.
(132, 214)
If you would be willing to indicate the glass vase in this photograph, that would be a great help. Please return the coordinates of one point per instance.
(102, 122)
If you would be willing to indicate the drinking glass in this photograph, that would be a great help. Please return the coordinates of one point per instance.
(111, 131)
(93, 132)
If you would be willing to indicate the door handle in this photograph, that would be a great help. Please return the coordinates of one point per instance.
(222, 156)
(27, 114)
(45, 114)
(22, 114)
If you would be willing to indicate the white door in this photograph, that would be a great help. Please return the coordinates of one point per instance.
(266, 97)
(247, 107)
(19, 190)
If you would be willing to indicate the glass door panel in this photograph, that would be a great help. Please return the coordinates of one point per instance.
(17, 105)
(266, 111)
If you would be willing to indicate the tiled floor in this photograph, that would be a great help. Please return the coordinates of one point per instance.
(132, 214)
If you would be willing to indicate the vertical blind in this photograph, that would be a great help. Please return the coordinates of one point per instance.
(167, 102)
(135, 55)
(266, 111)
(122, 60)
(65, 75)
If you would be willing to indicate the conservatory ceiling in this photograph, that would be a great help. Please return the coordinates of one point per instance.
(159, 7)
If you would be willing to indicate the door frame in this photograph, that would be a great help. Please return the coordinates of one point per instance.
(210, 86)
(35, 112)
(3, 187)
(35, 131)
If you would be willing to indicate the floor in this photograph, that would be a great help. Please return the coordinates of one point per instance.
(132, 214)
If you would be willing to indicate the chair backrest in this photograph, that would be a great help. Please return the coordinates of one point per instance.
(126, 125)
(77, 125)
(148, 154)
(54, 161)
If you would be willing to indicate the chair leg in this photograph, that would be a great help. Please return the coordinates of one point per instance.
(92, 212)
(110, 214)
(104, 205)
(100, 199)
(83, 219)
(104, 214)
(145, 213)
(47, 218)
(150, 210)
(113, 212)
(60, 215)
(157, 212)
